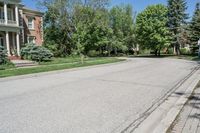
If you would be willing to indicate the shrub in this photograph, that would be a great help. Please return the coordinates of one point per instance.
(93, 53)
(53, 47)
(40, 53)
(170, 51)
(185, 51)
(145, 51)
(3, 55)
(194, 50)
(8, 65)
(36, 53)
(25, 51)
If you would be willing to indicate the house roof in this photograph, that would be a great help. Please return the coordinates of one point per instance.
(23, 7)
(31, 11)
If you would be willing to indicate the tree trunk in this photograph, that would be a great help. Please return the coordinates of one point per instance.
(108, 52)
(115, 51)
(159, 52)
(177, 49)
(82, 58)
(174, 49)
(156, 52)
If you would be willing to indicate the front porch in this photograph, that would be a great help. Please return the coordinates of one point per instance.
(10, 40)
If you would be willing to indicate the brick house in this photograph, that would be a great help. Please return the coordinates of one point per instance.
(19, 25)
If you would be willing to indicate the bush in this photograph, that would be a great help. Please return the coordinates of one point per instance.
(8, 65)
(185, 51)
(93, 53)
(170, 51)
(53, 47)
(25, 52)
(145, 51)
(36, 53)
(194, 50)
(40, 53)
(3, 56)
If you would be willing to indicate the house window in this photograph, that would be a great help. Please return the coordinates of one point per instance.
(31, 23)
(10, 14)
(1, 13)
(1, 41)
(31, 39)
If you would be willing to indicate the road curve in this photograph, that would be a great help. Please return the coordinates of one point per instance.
(94, 100)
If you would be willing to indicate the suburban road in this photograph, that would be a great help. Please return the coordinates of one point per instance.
(91, 100)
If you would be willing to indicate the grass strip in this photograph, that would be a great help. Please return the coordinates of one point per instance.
(46, 68)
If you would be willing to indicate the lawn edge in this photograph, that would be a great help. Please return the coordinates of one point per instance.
(16, 77)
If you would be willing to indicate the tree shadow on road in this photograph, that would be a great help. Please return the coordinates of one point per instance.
(193, 104)
(195, 116)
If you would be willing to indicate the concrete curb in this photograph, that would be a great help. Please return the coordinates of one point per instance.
(166, 123)
(161, 119)
(58, 71)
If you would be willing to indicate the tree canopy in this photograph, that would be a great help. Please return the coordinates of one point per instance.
(84, 26)
(151, 30)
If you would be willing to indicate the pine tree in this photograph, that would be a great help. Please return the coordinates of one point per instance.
(195, 26)
(176, 18)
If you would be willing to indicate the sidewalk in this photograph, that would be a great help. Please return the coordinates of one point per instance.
(189, 119)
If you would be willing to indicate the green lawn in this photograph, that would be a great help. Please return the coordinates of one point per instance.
(67, 60)
(185, 57)
(57, 65)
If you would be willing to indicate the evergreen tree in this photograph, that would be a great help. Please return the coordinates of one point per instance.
(195, 26)
(176, 18)
(3, 55)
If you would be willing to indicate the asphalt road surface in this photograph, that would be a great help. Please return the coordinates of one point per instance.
(93, 100)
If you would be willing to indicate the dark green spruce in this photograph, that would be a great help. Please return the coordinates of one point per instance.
(176, 18)
(195, 26)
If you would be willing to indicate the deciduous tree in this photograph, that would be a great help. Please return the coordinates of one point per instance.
(151, 29)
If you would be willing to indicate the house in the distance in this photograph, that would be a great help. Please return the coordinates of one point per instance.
(19, 25)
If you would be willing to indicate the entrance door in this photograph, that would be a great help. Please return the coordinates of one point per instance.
(1, 41)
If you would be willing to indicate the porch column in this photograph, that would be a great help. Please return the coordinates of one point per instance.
(13, 40)
(18, 44)
(7, 43)
(17, 14)
(5, 13)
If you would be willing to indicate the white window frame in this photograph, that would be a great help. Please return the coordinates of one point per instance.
(10, 11)
(28, 39)
(32, 23)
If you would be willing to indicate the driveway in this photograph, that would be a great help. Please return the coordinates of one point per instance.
(93, 100)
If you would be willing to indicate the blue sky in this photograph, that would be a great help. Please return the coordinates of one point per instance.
(138, 5)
